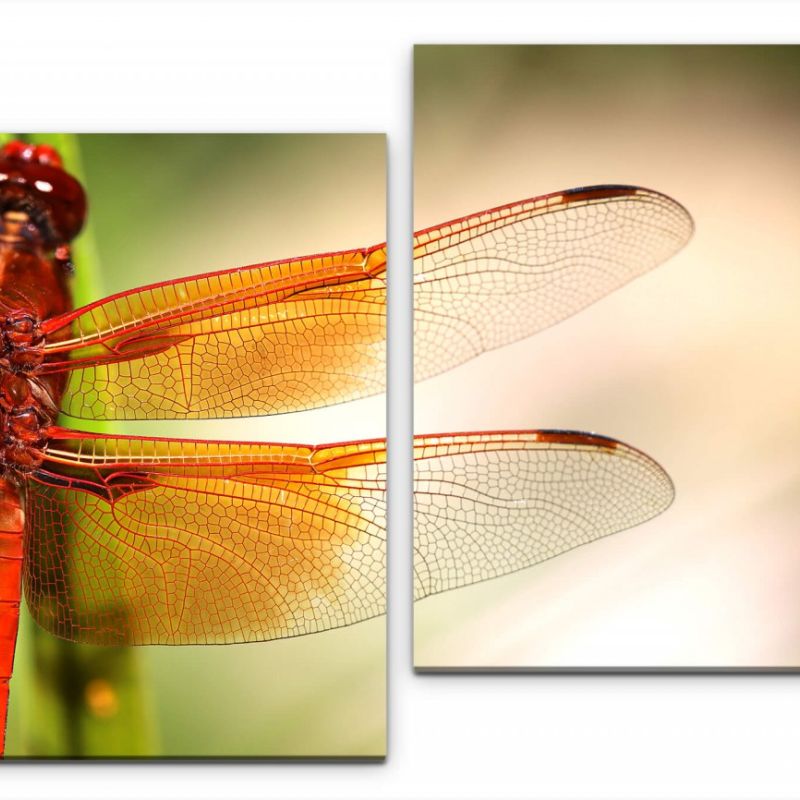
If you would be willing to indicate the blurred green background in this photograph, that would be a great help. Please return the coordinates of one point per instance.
(161, 207)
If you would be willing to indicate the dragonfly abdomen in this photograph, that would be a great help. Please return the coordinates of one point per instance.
(12, 524)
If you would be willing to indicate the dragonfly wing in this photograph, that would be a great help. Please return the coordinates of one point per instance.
(159, 541)
(498, 276)
(488, 504)
(265, 339)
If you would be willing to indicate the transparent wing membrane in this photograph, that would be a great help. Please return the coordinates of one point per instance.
(492, 278)
(489, 504)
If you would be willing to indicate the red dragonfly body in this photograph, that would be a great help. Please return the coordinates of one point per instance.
(32, 288)
(130, 540)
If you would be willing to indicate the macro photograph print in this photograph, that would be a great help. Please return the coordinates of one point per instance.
(635, 208)
(193, 379)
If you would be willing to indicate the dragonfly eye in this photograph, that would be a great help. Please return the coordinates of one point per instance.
(44, 154)
(18, 150)
(35, 153)
(32, 175)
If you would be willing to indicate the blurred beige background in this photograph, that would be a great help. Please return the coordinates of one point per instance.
(166, 206)
(695, 363)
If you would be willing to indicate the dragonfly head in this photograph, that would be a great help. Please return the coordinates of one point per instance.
(33, 181)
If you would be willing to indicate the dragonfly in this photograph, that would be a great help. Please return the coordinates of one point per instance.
(127, 540)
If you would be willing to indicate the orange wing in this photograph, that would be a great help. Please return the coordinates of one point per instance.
(166, 541)
(491, 278)
(488, 504)
(300, 334)
(266, 339)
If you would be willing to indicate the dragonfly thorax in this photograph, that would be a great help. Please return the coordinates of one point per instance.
(23, 438)
(22, 342)
(27, 409)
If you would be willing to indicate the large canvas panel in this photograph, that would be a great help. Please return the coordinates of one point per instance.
(691, 362)
(164, 207)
